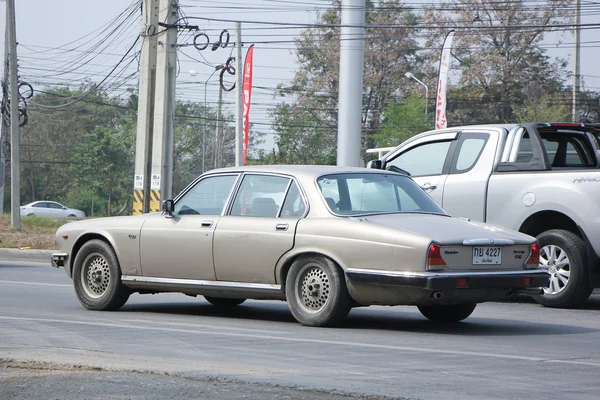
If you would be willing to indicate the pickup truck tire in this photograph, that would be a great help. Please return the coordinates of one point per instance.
(563, 254)
(447, 314)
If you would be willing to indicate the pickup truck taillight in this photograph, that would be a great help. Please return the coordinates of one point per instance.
(434, 258)
(534, 256)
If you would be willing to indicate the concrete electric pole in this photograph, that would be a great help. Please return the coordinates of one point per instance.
(576, 62)
(143, 155)
(239, 70)
(3, 126)
(161, 184)
(218, 129)
(352, 49)
(15, 159)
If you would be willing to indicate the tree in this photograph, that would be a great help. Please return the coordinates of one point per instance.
(310, 119)
(541, 110)
(402, 121)
(500, 60)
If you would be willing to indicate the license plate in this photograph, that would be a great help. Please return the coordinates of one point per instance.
(487, 255)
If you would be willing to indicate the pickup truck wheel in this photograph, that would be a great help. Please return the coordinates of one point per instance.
(316, 292)
(223, 302)
(447, 313)
(563, 255)
(97, 277)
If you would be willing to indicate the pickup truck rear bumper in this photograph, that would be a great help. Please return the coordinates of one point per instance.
(524, 281)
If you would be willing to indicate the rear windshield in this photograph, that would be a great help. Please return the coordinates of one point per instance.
(368, 193)
(564, 149)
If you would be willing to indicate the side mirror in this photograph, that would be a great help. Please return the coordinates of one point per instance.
(375, 164)
(167, 207)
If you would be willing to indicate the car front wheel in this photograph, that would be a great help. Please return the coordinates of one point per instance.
(563, 255)
(97, 277)
(316, 292)
(447, 313)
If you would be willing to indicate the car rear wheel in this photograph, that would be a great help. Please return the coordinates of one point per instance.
(316, 292)
(224, 302)
(563, 255)
(97, 277)
(447, 313)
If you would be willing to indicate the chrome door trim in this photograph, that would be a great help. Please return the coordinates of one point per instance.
(132, 279)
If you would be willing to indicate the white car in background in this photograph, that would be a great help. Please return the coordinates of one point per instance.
(50, 209)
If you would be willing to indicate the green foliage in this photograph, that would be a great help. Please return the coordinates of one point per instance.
(540, 110)
(402, 121)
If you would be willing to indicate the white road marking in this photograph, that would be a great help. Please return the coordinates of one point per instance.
(305, 340)
(37, 283)
(206, 326)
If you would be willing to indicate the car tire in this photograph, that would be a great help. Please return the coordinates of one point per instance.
(97, 277)
(71, 216)
(569, 284)
(447, 313)
(316, 292)
(31, 215)
(224, 302)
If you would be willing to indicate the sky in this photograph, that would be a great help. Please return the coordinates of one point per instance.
(72, 25)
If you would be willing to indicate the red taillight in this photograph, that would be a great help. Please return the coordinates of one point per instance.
(566, 125)
(434, 257)
(534, 256)
(525, 282)
(462, 282)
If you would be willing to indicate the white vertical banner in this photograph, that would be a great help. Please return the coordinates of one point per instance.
(440, 108)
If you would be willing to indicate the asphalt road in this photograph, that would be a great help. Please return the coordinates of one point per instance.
(157, 345)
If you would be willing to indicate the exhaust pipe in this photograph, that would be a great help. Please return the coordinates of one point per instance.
(437, 295)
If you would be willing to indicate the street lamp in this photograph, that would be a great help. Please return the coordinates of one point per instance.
(218, 67)
(410, 75)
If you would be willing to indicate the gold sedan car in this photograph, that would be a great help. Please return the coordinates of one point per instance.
(323, 238)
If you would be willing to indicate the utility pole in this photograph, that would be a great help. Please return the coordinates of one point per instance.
(143, 153)
(15, 159)
(3, 130)
(161, 185)
(576, 62)
(352, 49)
(239, 70)
(219, 125)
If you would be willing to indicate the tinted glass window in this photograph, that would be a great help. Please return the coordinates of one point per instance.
(207, 197)
(293, 206)
(468, 153)
(40, 204)
(364, 193)
(427, 159)
(260, 196)
(55, 205)
(525, 153)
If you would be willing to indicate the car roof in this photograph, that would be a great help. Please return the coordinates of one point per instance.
(304, 171)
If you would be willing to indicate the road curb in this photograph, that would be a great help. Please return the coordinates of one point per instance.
(25, 256)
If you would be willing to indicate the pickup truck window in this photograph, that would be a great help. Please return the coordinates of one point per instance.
(469, 150)
(564, 150)
(424, 160)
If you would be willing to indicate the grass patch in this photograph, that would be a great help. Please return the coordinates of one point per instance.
(35, 232)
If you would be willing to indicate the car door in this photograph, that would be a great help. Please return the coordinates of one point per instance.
(40, 209)
(180, 246)
(258, 229)
(427, 161)
(56, 210)
(465, 192)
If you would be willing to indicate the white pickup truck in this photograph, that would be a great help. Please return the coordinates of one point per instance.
(541, 179)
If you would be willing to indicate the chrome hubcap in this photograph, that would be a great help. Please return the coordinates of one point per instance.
(555, 260)
(95, 276)
(313, 288)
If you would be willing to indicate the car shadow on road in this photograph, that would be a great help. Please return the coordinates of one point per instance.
(400, 319)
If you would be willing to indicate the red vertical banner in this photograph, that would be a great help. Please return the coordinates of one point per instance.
(246, 94)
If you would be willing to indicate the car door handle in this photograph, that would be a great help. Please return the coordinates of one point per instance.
(428, 187)
(206, 224)
(281, 227)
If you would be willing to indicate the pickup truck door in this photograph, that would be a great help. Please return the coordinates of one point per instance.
(427, 161)
(465, 192)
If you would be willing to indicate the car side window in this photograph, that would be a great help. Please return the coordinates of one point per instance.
(207, 197)
(41, 204)
(55, 205)
(260, 196)
(424, 160)
(293, 205)
(468, 152)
